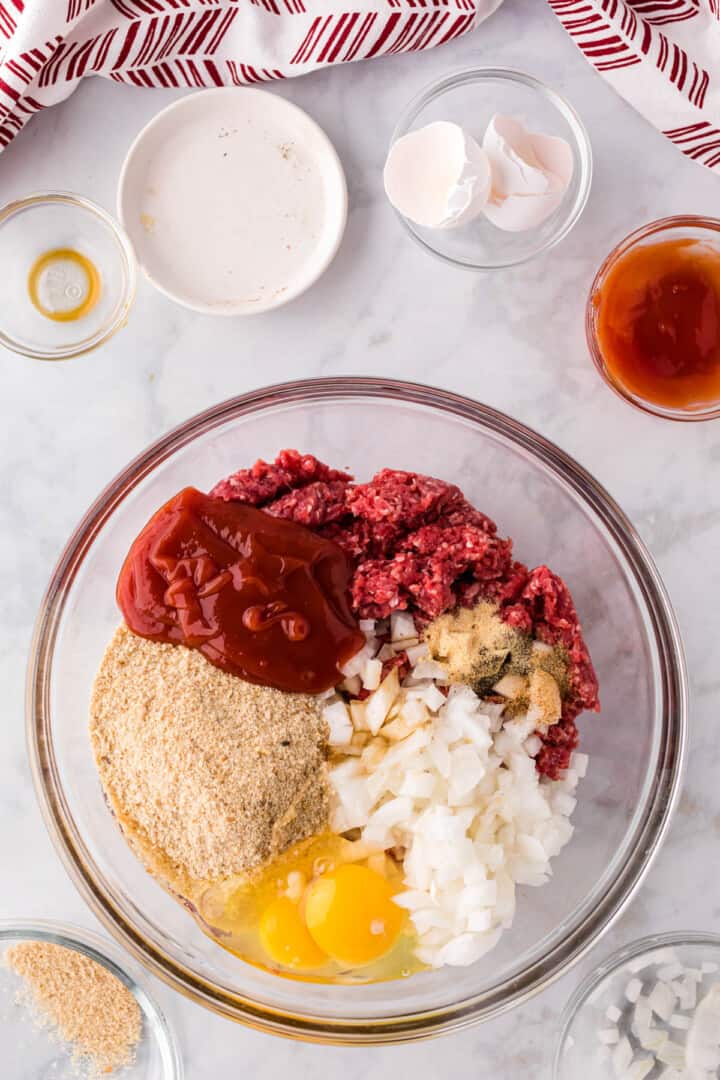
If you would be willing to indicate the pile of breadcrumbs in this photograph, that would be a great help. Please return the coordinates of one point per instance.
(208, 775)
(87, 1006)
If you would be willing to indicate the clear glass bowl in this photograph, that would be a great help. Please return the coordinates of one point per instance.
(29, 1051)
(686, 227)
(53, 221)
(470, 98)
(556, 513)
(579, 1052)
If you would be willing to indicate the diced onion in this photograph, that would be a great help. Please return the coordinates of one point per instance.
(443, 777)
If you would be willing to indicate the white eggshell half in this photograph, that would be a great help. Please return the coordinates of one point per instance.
(516, 169)
(520, 212)
(438, 176)
(530, 174)
(555, 156)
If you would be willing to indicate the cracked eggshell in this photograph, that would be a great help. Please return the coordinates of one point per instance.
(520, 212)
(438, 176)
(531, 174)
(555, 156)
(515, 167)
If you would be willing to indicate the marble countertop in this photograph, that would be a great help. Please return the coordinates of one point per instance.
(514, 340)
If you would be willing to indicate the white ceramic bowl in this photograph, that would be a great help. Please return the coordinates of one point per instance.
(235, 201)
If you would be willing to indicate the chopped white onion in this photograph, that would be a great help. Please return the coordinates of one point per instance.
(662, 1001)
(440, 775)
(639, 1068)
(703, 1039)
(372, 674)
(622, 1056)
(647, 1046)
(337, 718)
(670, 972)
(402, 626)
(672, 1053)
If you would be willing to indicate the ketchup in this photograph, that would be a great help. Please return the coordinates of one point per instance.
(260, 597)
(657, 321)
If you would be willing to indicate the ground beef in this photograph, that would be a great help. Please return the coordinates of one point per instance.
(318, 503)
(419, 546)
(265, 481)
(559, 741)
(399, 661)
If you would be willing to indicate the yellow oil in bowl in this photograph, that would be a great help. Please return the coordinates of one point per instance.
(64, 285)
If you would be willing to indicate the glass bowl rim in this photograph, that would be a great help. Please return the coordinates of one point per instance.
(652, 817)
(439, 86)
(612, 963)
(658, 226)
(108, 955)
(127, 258)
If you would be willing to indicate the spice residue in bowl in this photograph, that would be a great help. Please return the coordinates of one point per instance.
(87, 1006)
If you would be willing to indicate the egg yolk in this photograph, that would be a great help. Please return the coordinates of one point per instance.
(285, 936)
(351, 915)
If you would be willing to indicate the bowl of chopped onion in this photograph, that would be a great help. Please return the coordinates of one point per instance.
(621, 789)
(651, 1009)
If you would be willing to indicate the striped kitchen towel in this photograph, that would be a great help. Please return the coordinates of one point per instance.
(47, 46)
(663, 56)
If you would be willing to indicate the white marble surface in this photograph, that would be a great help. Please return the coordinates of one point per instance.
(514, 340)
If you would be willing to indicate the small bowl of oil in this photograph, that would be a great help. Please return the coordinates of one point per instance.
(69, 275)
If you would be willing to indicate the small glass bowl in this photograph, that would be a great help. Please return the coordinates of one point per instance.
(579, 1051)
(49, 222)
(30, 1050)
(683, 227)
(470, 98)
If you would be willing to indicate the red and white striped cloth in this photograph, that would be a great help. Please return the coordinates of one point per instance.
(663, 56)
(47, 46)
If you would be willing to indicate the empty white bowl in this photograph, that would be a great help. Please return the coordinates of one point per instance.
(235, 201)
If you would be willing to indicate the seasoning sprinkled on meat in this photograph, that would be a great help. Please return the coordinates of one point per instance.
(544, 607)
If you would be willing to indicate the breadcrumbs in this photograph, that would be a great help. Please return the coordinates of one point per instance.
(208, 775)
(89, 1008)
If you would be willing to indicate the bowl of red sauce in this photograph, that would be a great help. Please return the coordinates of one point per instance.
(653, 318)
(556, 514)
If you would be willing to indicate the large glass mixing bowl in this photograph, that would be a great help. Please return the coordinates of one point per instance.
(556, 513)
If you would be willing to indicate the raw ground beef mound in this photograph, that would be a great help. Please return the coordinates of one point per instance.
(418, 545)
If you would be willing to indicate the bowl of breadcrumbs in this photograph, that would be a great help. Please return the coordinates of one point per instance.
(72, 1007)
